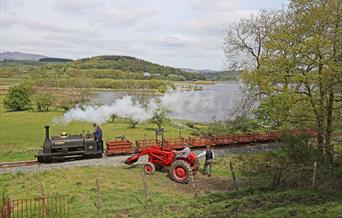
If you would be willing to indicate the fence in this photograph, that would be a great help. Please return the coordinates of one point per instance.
(57, 206)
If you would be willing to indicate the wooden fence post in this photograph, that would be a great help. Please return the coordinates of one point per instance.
(277, 176)
(314, 175)
(233, 174)
(9, 209)
(45, 208)
(98, 199)
(147, 193)
(193, 184)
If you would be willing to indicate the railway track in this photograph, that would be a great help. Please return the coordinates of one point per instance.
(124, 148)
(119, 159)
(17, 164)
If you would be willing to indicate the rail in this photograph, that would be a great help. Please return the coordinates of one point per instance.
(17, 163)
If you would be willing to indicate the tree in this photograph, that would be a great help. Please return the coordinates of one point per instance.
(246, 39)
(133, 122)
(113, 117)
(302, 65)
(160, 116)
(43, 101)
(18, 97)
(244, 45)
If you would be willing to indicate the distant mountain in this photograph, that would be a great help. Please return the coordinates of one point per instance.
(18, 56)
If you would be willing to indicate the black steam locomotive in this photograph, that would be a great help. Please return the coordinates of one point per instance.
(68, 147)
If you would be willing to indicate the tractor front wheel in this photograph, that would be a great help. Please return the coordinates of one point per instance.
(180, 171)
(149, 168)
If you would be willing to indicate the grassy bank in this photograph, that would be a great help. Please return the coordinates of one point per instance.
(122, 193)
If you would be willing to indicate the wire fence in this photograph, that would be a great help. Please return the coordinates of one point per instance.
(56, 206)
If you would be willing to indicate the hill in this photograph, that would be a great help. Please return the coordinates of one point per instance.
(54, 60)
(132, 65)
(20, 56)
(224, 75)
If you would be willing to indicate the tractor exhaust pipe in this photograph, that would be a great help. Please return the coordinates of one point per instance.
(47, 133)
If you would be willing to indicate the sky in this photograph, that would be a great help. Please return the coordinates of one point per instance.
(178, 33)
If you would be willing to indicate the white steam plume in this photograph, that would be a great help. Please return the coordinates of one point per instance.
(124, 107)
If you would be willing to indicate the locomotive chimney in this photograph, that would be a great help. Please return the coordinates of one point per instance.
(47, 134)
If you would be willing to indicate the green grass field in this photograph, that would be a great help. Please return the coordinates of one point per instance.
(122, 194)
(22, 133)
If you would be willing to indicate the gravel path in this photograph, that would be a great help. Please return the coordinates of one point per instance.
(119, 160)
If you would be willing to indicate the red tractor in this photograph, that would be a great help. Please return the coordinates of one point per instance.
(181, 169)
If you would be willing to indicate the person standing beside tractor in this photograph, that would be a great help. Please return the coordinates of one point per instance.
(209, 156)
(98, 136)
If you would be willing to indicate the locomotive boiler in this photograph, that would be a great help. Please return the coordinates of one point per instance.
(67, 146)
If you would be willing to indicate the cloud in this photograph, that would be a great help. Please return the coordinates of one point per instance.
(214, 24)
(101, 12)
(77, 7)
(171, 41)
(216, 5)
(123, 16)
(8, 20)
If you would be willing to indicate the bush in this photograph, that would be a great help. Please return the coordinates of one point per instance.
(66, 103)
(18, 97)
(162, 89)
(43, 101)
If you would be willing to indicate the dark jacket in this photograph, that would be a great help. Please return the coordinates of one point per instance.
(98, 134)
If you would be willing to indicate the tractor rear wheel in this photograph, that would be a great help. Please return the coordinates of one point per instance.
(180, 171)
(149, 168)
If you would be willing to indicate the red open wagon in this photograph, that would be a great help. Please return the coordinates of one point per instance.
(119, 146)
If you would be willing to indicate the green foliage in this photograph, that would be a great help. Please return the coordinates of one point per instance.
(300, 149)
(162, 89)
(130, 84)
(18, 97)
(43, 101)
(160, 116)
(272, 111)
(243, 124)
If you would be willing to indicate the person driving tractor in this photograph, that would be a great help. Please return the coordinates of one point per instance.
(185, 152)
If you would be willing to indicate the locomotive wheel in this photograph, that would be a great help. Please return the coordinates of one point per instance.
(180, 171)
(149, 168)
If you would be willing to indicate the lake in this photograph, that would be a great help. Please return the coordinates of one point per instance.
(214, 101)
